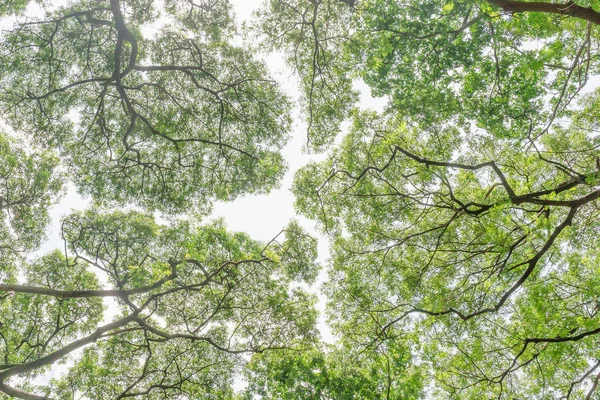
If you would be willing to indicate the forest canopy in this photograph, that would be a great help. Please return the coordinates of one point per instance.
(461, 218)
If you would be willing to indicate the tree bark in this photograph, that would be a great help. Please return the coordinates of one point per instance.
(569, 9)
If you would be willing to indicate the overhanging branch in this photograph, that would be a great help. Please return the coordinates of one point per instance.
(569, 9)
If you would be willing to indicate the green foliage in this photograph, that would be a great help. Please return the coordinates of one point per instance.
(297, 253)
(106, 370)
(440, 64)
(31, 183)
(312, 35)
(473, 265)
(12, 7)
(187, 301)
(462, 218)
(338, 372)
(176, 120)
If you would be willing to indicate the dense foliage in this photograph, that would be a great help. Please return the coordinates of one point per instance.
(188, 301)
(462, 217)
(173, 120)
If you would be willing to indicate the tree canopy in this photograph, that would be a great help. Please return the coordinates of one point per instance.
(177, 118)
(189, 301)
(462, 217)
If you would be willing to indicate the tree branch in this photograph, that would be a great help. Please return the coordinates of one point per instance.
(569, 9)
(72, 294)
(19, 393)
(57, 355)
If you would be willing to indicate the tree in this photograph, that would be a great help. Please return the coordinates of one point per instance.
(469, 65)
(166, 122)
(188, 302)
(462, 217)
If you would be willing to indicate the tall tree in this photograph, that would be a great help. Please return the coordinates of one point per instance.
(187, 302)
(156, 106)
(149, 104)
(462, 217)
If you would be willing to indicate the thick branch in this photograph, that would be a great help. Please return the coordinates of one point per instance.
(515, 199)
(569, 9)
(11, 391)
(72, 294)
(559, 339)
(124, 32)
(57, 355)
